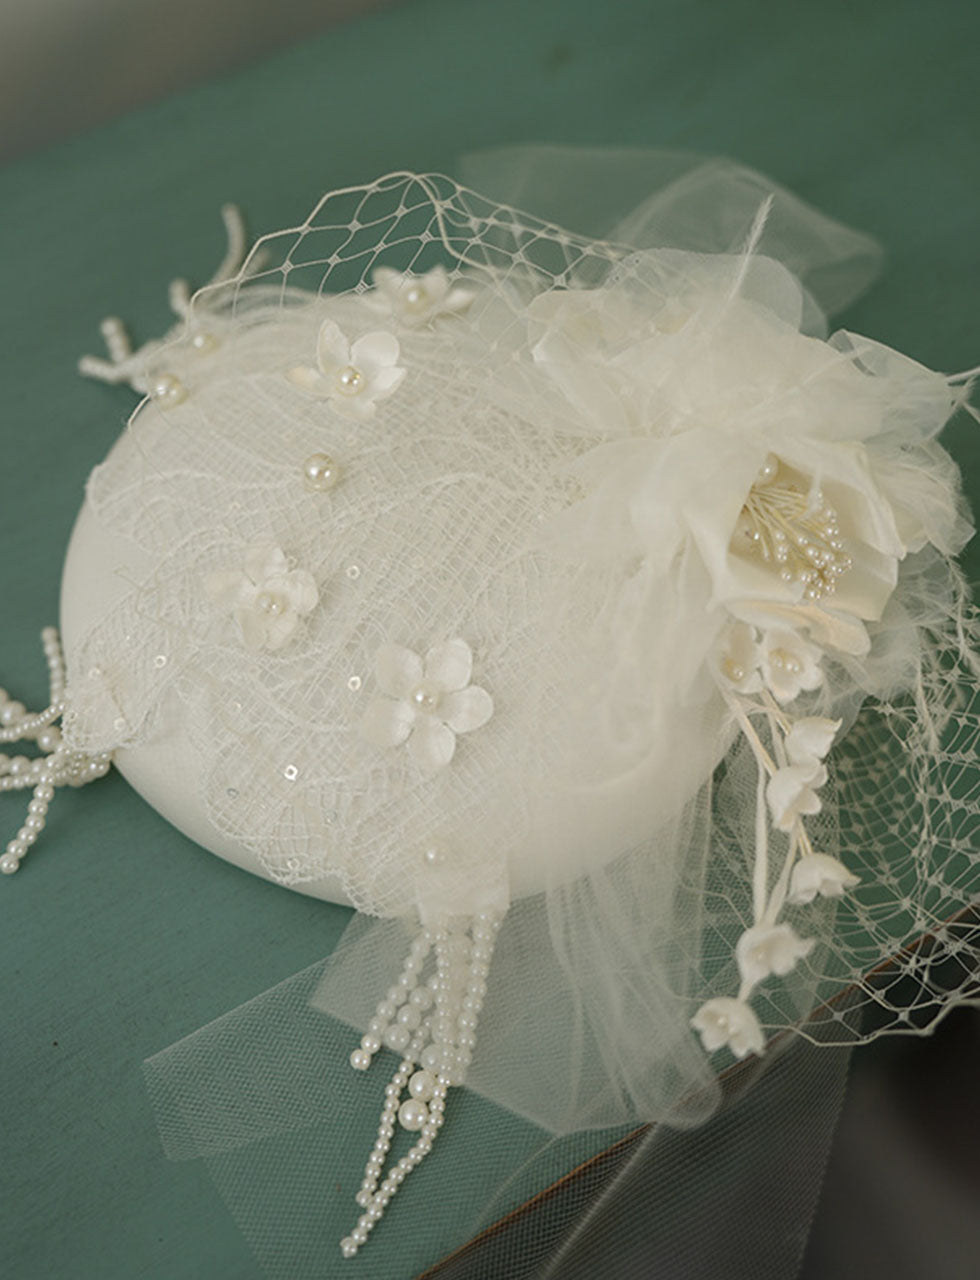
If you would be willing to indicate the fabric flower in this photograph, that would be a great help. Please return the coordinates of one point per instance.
(738, 658)
(810, 739)
(741, 442)
(769, 948)
(266, 597)
(792, 792)
(429, 701)
(353, 376)
(724, 1021)
(417, 299)
(790, 664)
(819, 873)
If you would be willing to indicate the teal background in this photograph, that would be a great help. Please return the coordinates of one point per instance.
(118, 936)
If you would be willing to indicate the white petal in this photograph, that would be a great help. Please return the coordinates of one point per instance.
(385, 382)
(374, 352)
(358, 408)
(333, 351)
(458, 299)
(724, 1021)
(388, 281)
(811, 738)
(309, 379)
(819, 873)
(279, 631)
(265, 562)
(432, 744)
(466, 709)
(769, 948)
(387, 723)
(449, 665)
(436, 283)
(253, 628)
(301, 590)
(397, 670)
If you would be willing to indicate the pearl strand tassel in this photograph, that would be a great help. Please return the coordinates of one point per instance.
(58, 766)
(434, 1024)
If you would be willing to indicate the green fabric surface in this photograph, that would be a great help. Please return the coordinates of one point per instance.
(118, 936)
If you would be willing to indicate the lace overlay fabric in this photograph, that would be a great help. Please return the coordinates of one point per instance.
(494, 568)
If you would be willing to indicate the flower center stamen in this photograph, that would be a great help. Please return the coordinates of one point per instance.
(270, 603)
(416, 298)
(794, 531)
(425, 697)
(350, 381)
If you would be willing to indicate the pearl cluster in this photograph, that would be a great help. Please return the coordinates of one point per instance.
(433, 1024)
(794, 530)
(58, 766)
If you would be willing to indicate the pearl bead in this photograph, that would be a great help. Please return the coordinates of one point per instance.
(768, 470)
(416, 298)
(422, 1085)
(204, 342)
(16, 848)
(49, 740)
(9, 864)
(360, 1060)
(320, 472)
(347, 1247)
(370, 1043)
(397, 1037)
(168, 390)
(19, 765)
(412, 1115)
(270, 603)
(350, 381)
(426, 696)
(431, 1057)
(11, 712)
(409, 1016)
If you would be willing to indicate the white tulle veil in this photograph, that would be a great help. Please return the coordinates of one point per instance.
(691, 801)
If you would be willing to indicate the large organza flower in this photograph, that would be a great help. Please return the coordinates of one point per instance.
(428, 702)
(724, 1021)
(353, 376)
(794, 471)
(266, 597)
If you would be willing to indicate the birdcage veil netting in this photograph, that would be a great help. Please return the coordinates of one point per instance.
(686, 785)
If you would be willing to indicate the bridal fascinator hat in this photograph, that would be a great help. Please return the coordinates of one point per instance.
(533, 573)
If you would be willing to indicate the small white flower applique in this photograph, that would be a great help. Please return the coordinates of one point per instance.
(792, 793)
(790, 664)
(792, 790)
(810, 739)
(739, 657)
(353, 376)
(417, 299)
(428, 702)
(266, 597)
(818, 874)
(769, 948)
(725, 1021)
